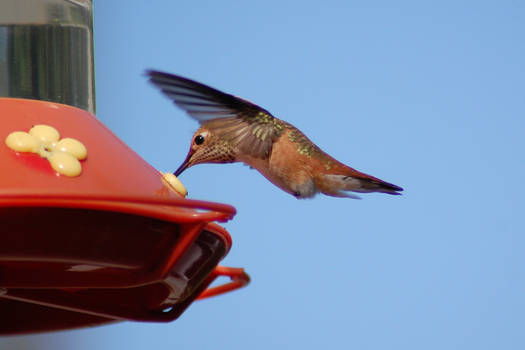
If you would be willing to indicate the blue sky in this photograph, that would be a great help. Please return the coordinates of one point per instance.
(426, 95)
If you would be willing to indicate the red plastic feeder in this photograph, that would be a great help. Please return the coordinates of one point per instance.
(113, 243)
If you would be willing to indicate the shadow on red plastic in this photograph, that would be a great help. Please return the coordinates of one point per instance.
(98, 267)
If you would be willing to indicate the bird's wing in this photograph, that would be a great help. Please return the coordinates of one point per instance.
(245, 125)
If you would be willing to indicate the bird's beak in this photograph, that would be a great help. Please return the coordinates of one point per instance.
(184, 164)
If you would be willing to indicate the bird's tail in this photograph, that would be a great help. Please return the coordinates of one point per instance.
(340, 185)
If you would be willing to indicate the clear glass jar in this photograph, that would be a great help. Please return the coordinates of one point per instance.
(46, 51)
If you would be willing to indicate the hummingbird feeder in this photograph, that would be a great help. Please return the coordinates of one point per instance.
(91, 233)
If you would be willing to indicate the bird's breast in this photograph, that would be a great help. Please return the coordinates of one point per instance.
(286, 168)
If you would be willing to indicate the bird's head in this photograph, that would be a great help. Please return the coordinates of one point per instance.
(206, 148)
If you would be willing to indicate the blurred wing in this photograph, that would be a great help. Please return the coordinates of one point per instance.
(245, 125)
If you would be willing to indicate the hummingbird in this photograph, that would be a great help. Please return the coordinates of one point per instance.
(233, 129)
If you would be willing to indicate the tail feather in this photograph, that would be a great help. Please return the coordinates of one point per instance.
(339, 185)
(376, 185)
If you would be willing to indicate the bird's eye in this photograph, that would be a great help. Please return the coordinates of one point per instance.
(199, 139)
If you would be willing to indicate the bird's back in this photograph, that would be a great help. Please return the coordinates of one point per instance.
(329, 176)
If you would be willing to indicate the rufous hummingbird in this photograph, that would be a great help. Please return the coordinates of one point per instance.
(236, 130)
